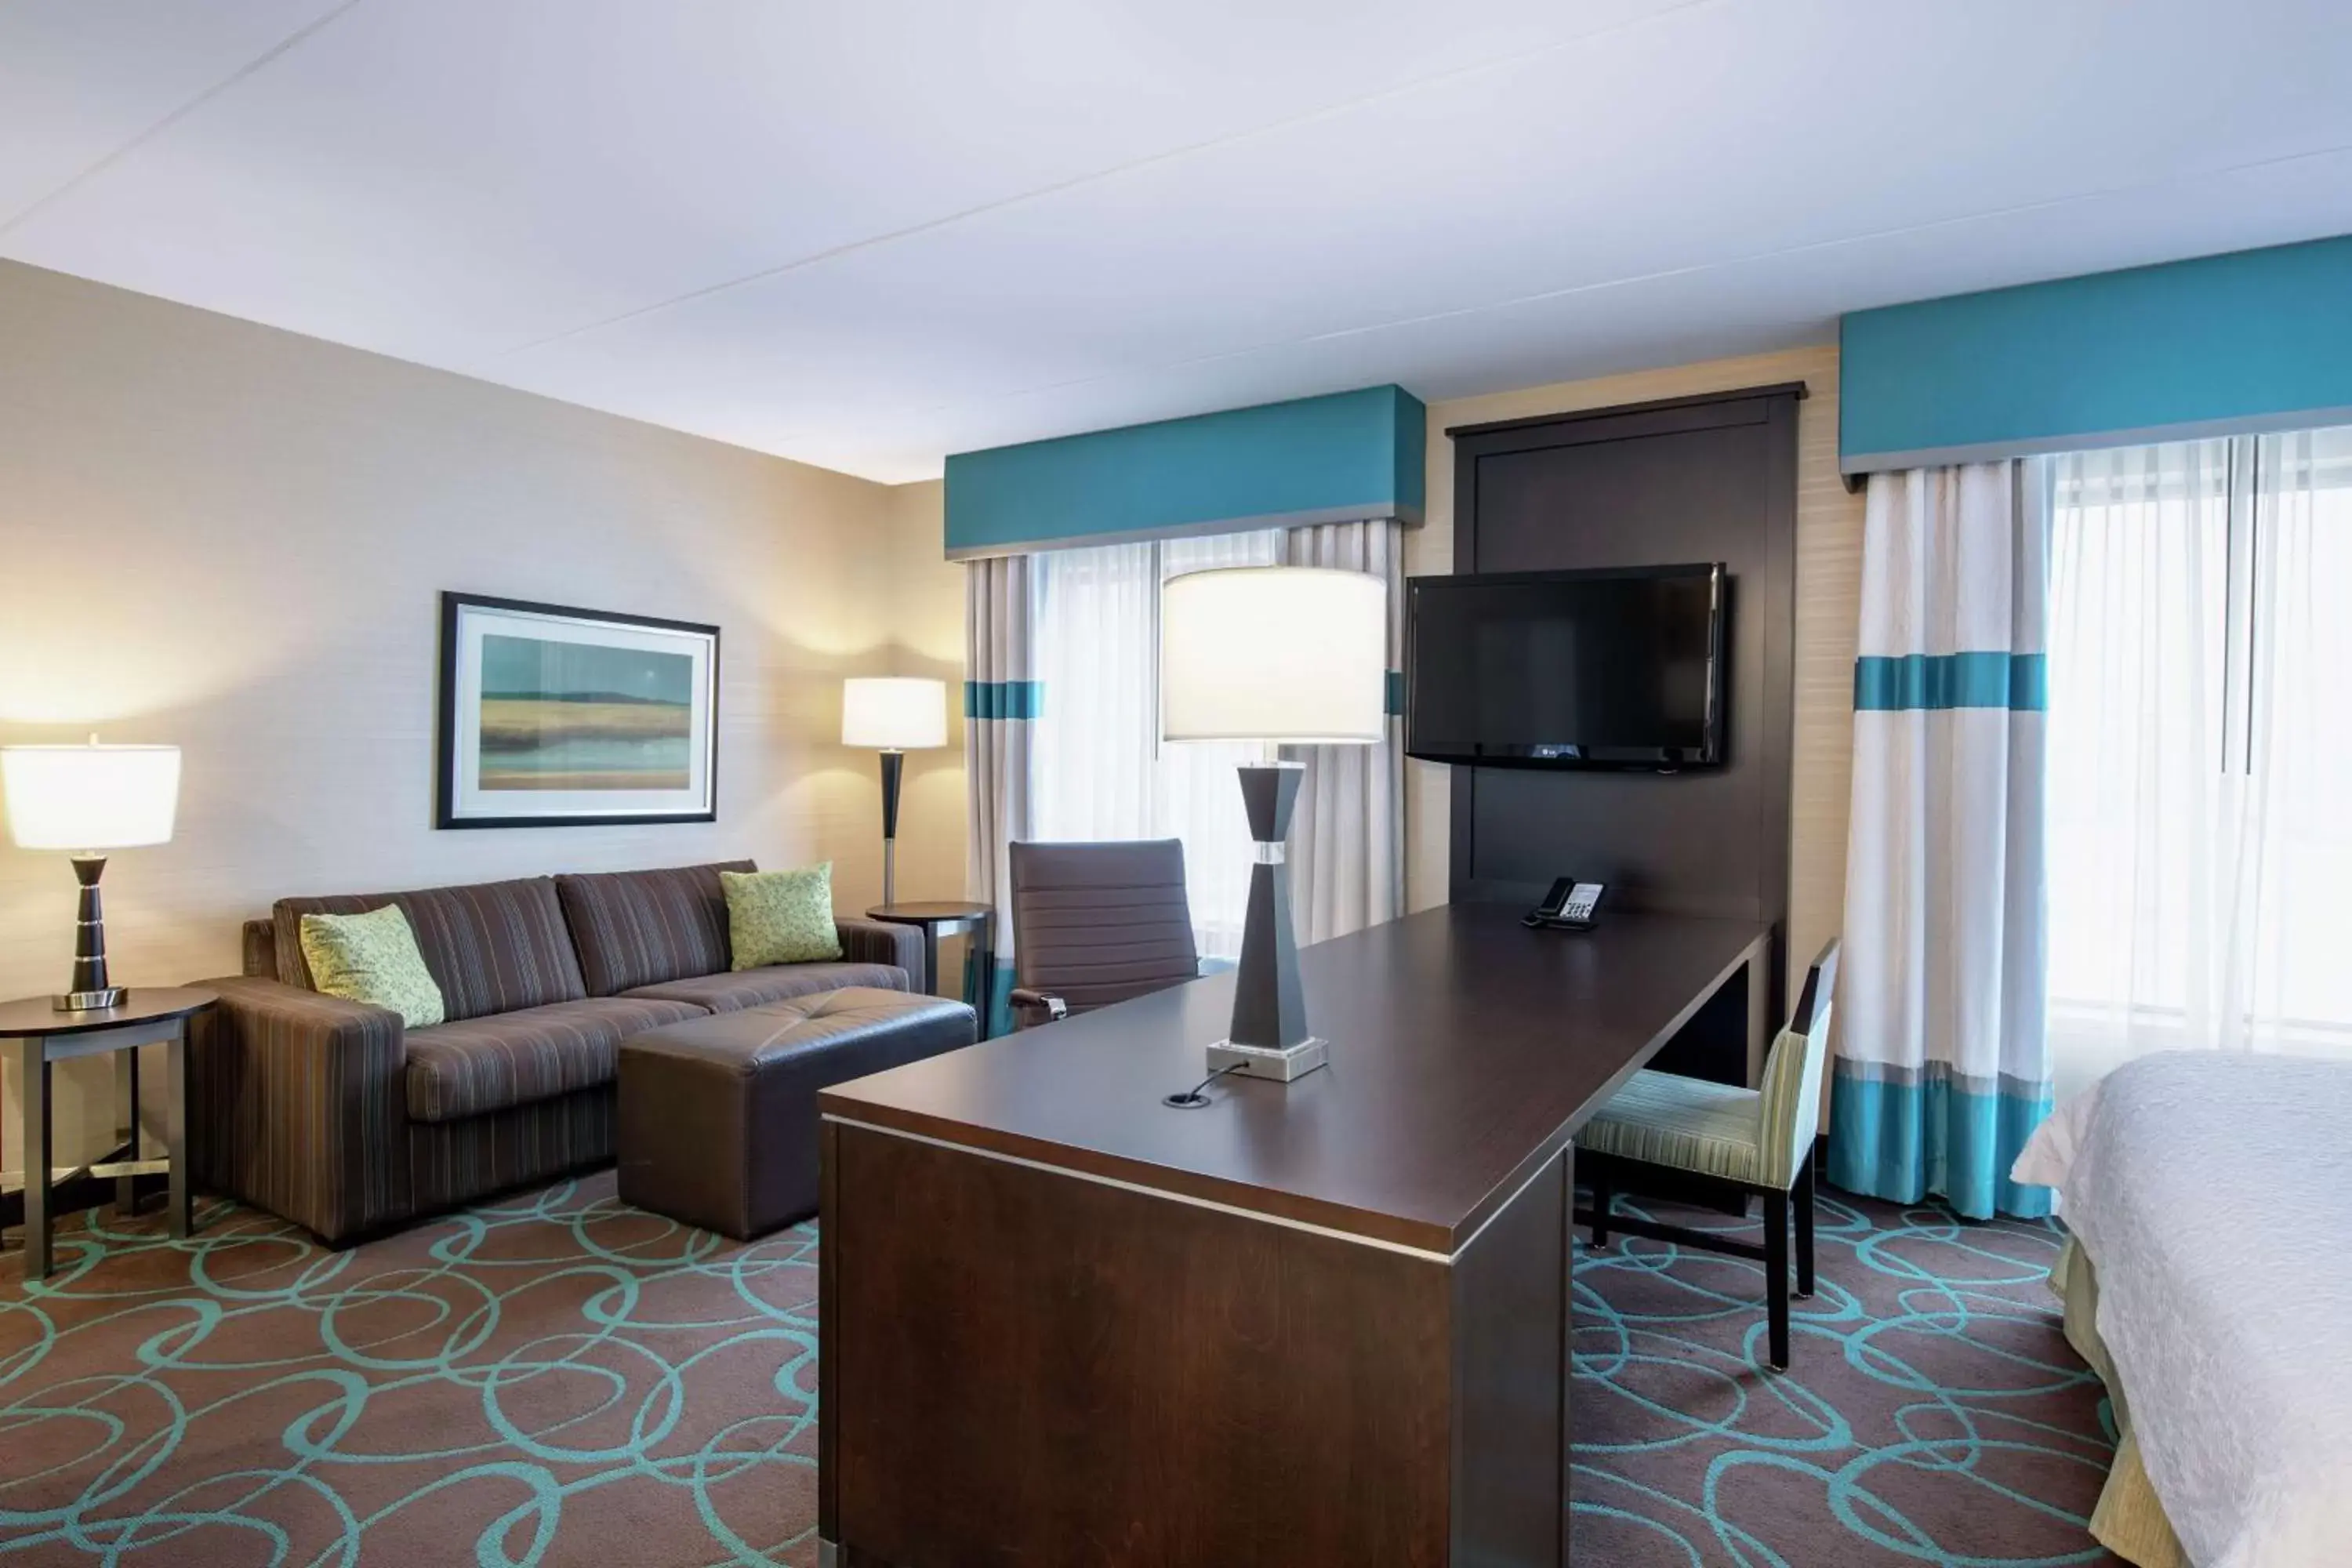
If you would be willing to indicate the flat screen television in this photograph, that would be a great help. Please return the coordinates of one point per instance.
(1607, 669)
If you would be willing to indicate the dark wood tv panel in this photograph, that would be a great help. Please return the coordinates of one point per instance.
(1703, 479)
(1325, 1323)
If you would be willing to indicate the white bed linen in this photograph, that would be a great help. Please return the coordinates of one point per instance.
(2214, 1193)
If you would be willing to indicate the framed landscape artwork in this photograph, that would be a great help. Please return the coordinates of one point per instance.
(554, 717)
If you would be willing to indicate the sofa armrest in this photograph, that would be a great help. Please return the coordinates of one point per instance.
(259, 939)
(883, 941)
(298, 1105)
(1031, 1008)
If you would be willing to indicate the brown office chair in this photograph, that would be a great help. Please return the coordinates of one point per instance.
(1097, 924)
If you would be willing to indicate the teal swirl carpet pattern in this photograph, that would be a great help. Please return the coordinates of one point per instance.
(556, 1378)
(1932, 1412)
(552, 1379)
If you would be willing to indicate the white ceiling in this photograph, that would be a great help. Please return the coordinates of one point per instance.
(868, 235)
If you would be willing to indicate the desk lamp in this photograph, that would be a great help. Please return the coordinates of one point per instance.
(1278, 655)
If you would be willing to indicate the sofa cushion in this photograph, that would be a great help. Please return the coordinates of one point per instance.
(372, 958)
(778, 982)
(464, 1069)
(641, 928)
(493, 947)
(781, 917)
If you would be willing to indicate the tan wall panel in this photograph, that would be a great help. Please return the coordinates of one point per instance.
(927, 639)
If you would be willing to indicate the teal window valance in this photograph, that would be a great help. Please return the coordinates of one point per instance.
(2256, 339)
(1337, 459)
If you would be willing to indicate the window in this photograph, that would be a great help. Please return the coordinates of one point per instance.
(1100, 768)
(2199, 750)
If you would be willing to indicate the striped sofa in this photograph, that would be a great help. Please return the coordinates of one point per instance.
(333, 1115)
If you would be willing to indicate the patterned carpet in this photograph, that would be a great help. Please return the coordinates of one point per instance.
(558, 1380)
(1932, 1412)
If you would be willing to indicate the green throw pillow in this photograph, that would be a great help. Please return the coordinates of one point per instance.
(781, 917)
(372, 958)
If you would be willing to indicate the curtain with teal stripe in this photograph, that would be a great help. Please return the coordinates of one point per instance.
(1894, 684)
(1943, 1063)
(1000, 698)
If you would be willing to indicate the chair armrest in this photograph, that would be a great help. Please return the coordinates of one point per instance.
(883, 941)
(1031, 1007)
(299, 1104)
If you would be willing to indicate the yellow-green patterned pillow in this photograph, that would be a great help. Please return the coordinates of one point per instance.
(372, 958)
(781, 917)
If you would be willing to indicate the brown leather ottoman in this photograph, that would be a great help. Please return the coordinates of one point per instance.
(718, 1115)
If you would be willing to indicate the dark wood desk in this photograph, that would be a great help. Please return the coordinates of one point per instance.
(1325, 1323)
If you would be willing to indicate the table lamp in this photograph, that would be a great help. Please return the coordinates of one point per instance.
(1280, 654)
(86, 800)
(895, 715)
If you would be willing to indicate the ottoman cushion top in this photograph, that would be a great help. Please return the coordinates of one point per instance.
(731, 991)
(752, 1038)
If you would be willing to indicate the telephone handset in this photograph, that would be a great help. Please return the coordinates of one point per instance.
(1569, 906)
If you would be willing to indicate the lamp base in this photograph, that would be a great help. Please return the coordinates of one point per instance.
(88, 991)
(1281, 1063)
(893, 764)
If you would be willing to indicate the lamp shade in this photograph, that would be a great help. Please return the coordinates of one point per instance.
(894, 713)
(90, 797)
(1296, 654)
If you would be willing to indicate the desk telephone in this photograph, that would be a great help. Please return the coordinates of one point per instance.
(1569, 906)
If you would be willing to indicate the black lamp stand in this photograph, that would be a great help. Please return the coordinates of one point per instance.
(90, 990)
(893, 761)
(1270, 1037)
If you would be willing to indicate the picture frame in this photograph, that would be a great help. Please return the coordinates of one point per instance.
(555, 716)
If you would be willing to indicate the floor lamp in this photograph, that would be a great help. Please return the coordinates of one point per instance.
(1278, 655)
(893, 715)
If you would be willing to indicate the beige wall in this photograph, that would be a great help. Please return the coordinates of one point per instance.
(231, 538)
(1829, 589)
(927, 639)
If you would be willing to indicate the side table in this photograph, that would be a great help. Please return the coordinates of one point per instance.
(44, 1035)
(945, 916)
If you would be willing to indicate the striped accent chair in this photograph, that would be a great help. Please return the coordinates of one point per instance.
(1097, 924)
(1757, 1140)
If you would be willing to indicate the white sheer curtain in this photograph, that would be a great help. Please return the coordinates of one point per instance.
(1346, 842)
(1101, 769)
(2200, 660)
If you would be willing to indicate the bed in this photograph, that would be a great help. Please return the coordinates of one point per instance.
(2209, 1282)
